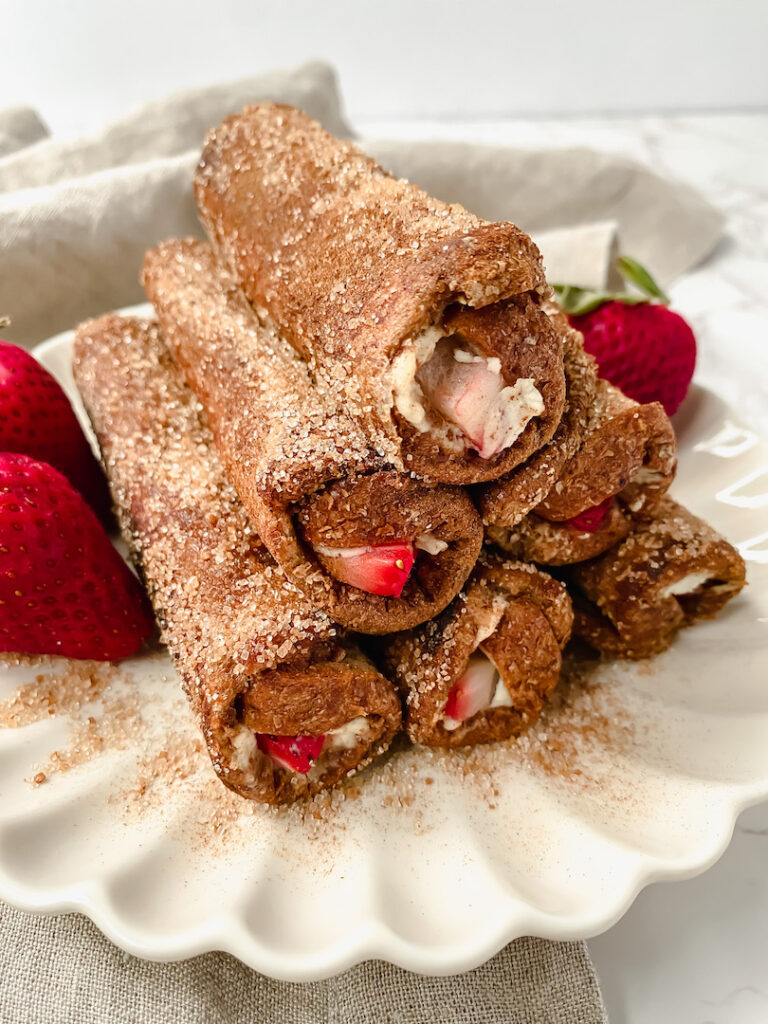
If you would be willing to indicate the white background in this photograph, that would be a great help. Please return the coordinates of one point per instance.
(81, 61)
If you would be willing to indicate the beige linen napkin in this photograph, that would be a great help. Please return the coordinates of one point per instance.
(63, 970)
(665, 225)
(19, 127)
(75, 219)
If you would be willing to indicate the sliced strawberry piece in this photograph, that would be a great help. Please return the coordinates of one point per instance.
(63, 587)
(463, 393)
(36, 419)
(296, 753)
(469, 391)
(591, 519)
(381, 569)
(474, 691)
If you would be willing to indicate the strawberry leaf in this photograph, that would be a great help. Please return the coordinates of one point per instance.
(637, 275)
(577, 301)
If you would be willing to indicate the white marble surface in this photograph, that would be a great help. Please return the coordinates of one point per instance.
(692, 952)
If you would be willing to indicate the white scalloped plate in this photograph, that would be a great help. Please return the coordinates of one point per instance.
(433, 861)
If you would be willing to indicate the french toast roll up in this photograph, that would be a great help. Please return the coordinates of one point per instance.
(628, 452)
(427, 319)
(615, 463)
(375, 548)
(484, 668)
(286, 702)
(668, 573)
(535, 539)
(505, 502)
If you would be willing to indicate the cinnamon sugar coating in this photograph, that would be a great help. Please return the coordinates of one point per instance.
(236, 627)
(301, 460)
(525, 646)
(606, 445)
(504, 502)
(538, 540)
(351, 263)
(622, 601)
(628, 450)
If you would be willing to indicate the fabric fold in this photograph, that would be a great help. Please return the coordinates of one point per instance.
(665, 225)
(168, 127)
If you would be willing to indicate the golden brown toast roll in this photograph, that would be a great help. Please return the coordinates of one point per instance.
(535, 539)
(484, 668)
(610, 462)
(314, 484)
(259, 664)
(670, 572)
(426, 318)
(628, 450)
(504, 502)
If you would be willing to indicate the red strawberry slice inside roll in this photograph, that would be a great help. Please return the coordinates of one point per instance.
(474, 691)
(296, 753)
(381, 569)
(591, 519)
(469, 391)
(386, 537)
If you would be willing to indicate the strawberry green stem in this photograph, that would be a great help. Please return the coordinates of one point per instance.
(578, 301)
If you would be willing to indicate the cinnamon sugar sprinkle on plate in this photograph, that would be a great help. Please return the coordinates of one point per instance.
(165, 772)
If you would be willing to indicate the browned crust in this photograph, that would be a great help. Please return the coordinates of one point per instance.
(289, 448)
(349, 262)
(619, 605)
(629, 450)
(291, 701)
(537, 540)
(386, 507)
(231, 620)
(504, 330)
(504, 502)
(426, 662)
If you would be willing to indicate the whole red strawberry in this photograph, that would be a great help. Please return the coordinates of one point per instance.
(63, 587)
(642, 347)
(36, 419)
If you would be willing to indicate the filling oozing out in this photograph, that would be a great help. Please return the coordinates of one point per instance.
(686, 586)
(300, 753)
(478, 409)
(591, 519)
(382, 569)
(480, 687)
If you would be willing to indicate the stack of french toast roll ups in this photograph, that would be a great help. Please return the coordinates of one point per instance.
(347, 451)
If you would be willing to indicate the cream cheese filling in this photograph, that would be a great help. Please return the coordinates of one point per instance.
(487, 624)
(407, 395)
(424, 542)
(244, 747)
(431, 544)
(687, 585)
(348, 735)
(481, 413)
(489, 618)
